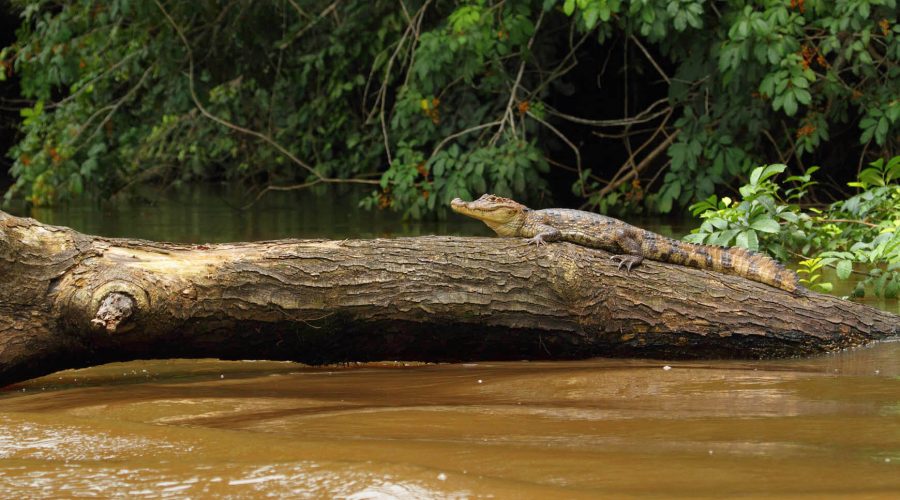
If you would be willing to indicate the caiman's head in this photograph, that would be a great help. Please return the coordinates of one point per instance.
(503, 215)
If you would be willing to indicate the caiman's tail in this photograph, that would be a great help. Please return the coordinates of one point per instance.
(729, 260)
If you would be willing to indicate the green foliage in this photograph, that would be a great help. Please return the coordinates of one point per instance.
(444, 148)
(113, 105)
(789, 72)
(862, 231)
(810, 271)
(426, 100)
(755, 222)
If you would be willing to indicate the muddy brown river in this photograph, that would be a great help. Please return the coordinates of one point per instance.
(818, 427)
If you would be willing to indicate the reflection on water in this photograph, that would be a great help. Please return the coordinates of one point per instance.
(207, 215)
(821, 426)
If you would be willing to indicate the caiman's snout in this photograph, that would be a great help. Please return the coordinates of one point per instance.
(458, 204)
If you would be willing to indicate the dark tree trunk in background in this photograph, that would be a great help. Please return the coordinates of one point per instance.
(71, 300)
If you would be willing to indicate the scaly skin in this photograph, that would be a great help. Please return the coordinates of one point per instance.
(631, 244)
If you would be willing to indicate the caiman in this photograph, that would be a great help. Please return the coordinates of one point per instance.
(630, 244)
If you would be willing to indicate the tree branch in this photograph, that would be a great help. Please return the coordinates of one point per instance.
(644, 116)
(659, 149)
(508, 115)
(569, 143)
(650, 58)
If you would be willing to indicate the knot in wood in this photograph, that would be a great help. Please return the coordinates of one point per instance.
(115, 303)
(567, 275)
(115, 309)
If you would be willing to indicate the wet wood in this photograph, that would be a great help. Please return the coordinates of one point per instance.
(72, 300)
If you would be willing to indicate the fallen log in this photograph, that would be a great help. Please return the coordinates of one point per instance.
(71, 300)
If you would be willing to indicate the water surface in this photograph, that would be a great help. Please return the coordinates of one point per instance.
(826, 426)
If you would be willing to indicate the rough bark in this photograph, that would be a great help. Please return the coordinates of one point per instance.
(71, 300)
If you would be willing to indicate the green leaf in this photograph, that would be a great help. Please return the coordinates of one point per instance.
(760, 174)
(844, 268)
(719, 224)
(724, 238)
(766, 225)
(790, 104)
(789, 216)
(867, 135)
(799, 82)
(674, 189)
(665, 204)
(75, 184)
(881, 130)
(88, 167)
(590, 18)
(569, 7)
(747, 239)
(754, 176)
(871, 177)
(697, 238)
(438, 167)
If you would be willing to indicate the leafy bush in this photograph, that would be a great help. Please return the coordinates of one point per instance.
(425, 101)
(119, 97)
(862, 231)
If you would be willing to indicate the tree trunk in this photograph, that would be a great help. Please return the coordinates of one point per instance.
(70, 300)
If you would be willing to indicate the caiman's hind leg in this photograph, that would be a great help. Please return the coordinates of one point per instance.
(632, 257)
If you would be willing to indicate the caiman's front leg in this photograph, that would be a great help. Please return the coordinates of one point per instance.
(545, 234)
(633, 253)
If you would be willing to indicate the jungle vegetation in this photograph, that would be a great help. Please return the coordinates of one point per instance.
(646, 106)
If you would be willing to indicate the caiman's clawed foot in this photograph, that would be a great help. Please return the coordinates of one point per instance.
(628, 261)
(537, 241)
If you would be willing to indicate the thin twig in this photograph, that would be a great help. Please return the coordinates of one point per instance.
(850, 221)
(619, 135)
(450, 137)
(563, 67)
(662, 147)
(412, 47)
(632, 155)
(96, 77)
(781, 157)
(115, 107)
(313, 23)
(274, 90)
(793, 151)
(657, 174)
(381, 102)
(567, 141)
(862, 157)
(644, 116)
(300, 11)
(627, 138)
(650, 58)
(508, 114)
(567, 168)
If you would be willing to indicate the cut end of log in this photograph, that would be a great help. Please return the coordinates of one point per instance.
(114, 312)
